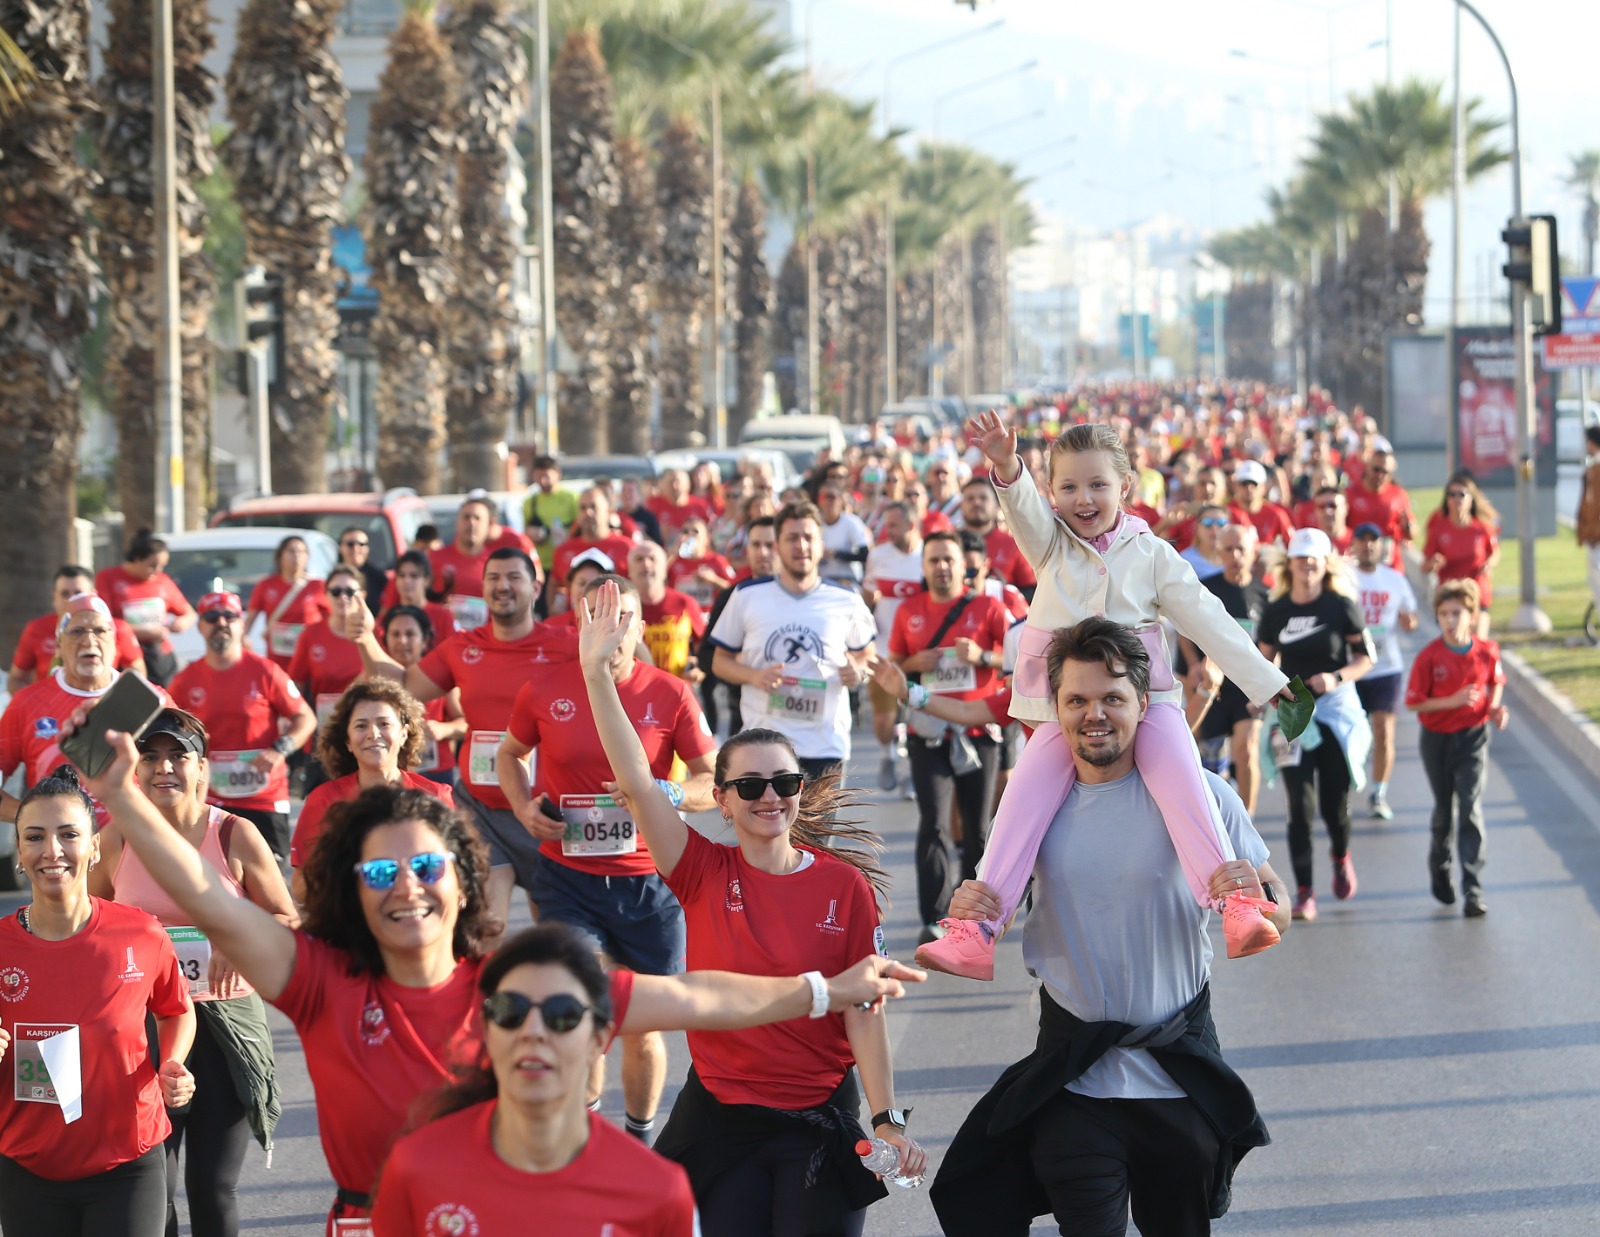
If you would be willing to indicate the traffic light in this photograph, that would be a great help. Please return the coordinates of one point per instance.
(258, 318)
(1534, 268)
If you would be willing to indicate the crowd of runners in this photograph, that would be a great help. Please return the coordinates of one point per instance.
(1070, 628)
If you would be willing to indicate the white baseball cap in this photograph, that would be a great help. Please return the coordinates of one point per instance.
(1310, 543)
(1250, 470)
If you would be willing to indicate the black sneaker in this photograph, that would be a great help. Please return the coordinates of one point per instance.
(1444, 889)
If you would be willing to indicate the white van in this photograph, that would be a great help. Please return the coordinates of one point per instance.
(814, 432)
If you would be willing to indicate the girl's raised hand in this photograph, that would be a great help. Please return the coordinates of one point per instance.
(603, 626)
(989, 432)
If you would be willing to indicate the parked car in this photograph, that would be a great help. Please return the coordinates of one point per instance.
(389, 519)
(732, 461)
(234, 560)
(579, 471)
(814, 432)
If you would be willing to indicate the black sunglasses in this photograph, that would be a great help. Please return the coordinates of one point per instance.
(559, 1013)
(216, 616)
(355, 543)
(786, 785)
(346, 593)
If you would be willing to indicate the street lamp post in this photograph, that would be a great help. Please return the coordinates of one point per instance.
(547, 236)
(813, 348)
(1219, 345)
(1131, 192)
(891, 304)
(169, 504)
(1528, 615)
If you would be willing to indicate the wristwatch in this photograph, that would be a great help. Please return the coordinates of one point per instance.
(897, 1117)
(283, 745)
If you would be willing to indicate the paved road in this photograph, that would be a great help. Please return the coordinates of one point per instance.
(1421, 1074)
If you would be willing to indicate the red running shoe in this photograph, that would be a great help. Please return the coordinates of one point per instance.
(1344, 878)
(1245, 926)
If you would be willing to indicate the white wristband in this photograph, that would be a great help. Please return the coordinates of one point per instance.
(819, 993)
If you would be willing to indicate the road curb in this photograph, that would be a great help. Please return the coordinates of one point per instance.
(1573, 730)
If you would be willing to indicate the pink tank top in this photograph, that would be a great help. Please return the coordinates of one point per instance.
(136, 887)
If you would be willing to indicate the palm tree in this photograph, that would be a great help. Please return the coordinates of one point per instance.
(286, 99)
(1259, 257)
(683, 286)
(46, 288)
(637, 233)
(124, 132)
(16, 73)
(413, 232)
(485, 337)
(753, 290)
(1585, 178)
(587, 277)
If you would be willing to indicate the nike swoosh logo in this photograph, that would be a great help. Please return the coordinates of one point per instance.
(1289, 637)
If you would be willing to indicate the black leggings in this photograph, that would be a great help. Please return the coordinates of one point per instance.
(765, 1193)
(219, 1134)
(1322, 778)
(937, 785)
(126, 1201)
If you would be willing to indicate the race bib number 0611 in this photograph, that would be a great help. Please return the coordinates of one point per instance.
(800, 699)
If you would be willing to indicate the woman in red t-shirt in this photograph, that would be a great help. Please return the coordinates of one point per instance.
(325, 660)
(1463, 542)
(375, 736)
(380, 980)
(763, 1112)
(142, 594)
(78, 977)
(408, 636)
(515, 1126)
(289, 599)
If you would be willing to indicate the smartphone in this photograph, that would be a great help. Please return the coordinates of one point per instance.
(131, 705)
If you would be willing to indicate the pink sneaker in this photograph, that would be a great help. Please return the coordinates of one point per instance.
(1245, 926)
(1305, 904)
(1344, 878)
(966, 949)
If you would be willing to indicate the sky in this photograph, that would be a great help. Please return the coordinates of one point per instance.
(1163, 118)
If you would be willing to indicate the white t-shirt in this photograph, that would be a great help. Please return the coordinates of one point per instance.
(844, 535)
(1385, 595)
(1115, 935)
(895, 574)
(808, 635)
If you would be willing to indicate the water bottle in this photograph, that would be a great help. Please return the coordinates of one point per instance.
(882, 1158)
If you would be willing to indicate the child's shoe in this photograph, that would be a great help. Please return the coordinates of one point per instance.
(966, 949)
(1245, 925)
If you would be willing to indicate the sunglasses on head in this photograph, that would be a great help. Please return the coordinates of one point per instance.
(427, 867)
(559, 1013)
(346, 593)
(784, 785)
(216, 616)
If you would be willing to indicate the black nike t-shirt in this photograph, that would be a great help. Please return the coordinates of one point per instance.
(1313, 638)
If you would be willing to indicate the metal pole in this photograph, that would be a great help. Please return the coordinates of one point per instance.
(1452, 449)
(169, 504)
(969, 335)
(719, 362)
(261, 416)
(1528, 615)
(813, 348)
(1133, 297)
(547, 237)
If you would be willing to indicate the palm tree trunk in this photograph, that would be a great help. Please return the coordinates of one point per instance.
(46, 284)
(413, 231)
(913, 329)
(789, 354)
(683, 192)
(753, 291)
(587, 273)
(636, 226)
(485, 335)
(286, 99)
(124, 132)
(988, 307)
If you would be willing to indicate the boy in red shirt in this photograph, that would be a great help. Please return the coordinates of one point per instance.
(1455, 688)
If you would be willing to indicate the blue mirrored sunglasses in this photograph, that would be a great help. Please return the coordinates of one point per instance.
(427, 867)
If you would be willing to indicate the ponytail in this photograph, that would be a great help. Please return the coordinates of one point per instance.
(63, 783)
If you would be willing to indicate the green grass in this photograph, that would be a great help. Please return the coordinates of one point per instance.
(1561, 582)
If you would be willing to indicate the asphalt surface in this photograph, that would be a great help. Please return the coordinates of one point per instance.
(1420, 1073)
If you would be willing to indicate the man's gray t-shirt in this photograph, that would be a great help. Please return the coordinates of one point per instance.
(1115, 935)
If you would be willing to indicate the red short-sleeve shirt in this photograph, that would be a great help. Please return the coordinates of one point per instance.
(241, 707)
(37, 646)
(1443, 671)
(309, 827)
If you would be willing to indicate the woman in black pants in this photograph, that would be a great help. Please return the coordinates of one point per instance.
(1314, 629)
(231, 1035)
(78, 978)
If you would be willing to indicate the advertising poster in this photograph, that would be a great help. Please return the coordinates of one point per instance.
(1486, 409)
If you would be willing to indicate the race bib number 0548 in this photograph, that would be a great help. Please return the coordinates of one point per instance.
(597, 825)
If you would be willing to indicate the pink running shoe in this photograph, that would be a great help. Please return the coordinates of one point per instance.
(966, 949)
(1344, 878)
(1305, 904)
(1245, 925)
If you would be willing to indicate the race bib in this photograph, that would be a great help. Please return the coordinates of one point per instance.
(1285, 752)
(597, 825)
(326, 703)
(1248, 626)
(481, 750)
(361, 1227)
(194, 958)
(951, 674)
(143, 611)
(469, 612)
(1383, 643)
(233, 776)
(282, 637)
(798, 699)
(46, 1066)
